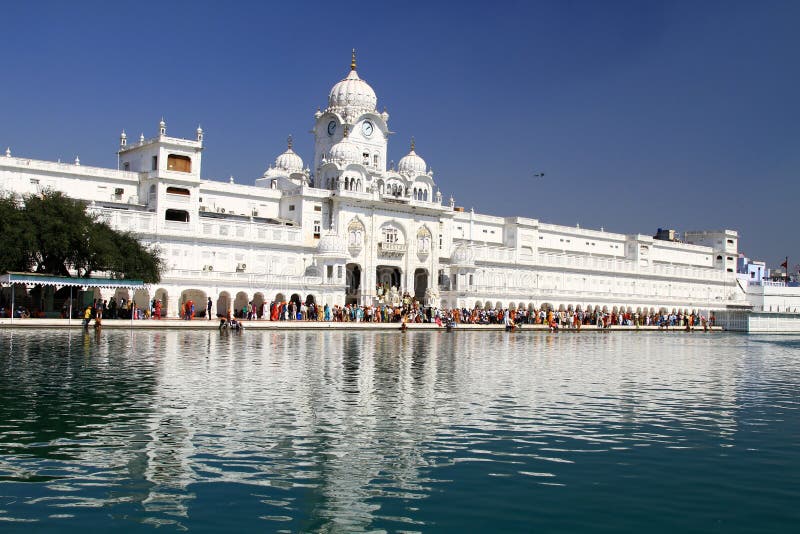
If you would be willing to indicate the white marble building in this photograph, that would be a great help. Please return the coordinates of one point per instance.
(334, 232)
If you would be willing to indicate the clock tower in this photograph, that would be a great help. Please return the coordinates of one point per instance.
(352, 108)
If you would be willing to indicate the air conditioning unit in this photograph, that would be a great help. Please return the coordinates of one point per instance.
(240, 268)
(222, 210)
(208, 268)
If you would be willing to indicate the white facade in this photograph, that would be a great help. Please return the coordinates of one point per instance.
(337, 231)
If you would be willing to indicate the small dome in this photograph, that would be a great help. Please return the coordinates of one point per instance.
(289, 160)
(411, 163)
(332, 246)
(352, 92)
(343, 152)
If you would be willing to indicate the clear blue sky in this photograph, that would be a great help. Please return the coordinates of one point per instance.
(642, 114)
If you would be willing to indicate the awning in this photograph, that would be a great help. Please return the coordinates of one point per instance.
(66, 281)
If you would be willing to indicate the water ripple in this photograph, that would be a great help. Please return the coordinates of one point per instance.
(346, 432)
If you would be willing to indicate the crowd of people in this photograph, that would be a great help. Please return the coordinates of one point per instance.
(411, 312)
(408, 311)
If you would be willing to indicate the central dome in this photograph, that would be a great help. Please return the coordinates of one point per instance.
(352, 92)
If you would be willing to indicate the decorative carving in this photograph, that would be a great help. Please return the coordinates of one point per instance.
(355, 236)
(394, 296)
(432, 297)
(423, 241)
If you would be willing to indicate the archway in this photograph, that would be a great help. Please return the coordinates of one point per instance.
(387, 275)
(223, 304)
(141, 297)
(195, 297)
(120, 294)
(258, 302)
(420, 284)
(353, 283)
(239, 303)
(162, 295)
(310, 299)
(280, 298)
(487, 305)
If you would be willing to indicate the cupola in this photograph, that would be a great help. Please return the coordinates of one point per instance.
(344, 152)
(289, 160)
(411, 163)
(352, 93)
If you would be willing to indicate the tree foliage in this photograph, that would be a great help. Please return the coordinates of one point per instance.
(52, 233)
(16, 239)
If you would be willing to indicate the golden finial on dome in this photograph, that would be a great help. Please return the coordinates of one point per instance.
(353, 62)
(413, 144)
(346, 130)
(289, 142)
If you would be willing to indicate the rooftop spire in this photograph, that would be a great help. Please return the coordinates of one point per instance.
(289, 142)
(353, 62)
(346, 130)
(413, 144)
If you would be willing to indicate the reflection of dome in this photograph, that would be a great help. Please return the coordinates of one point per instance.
(353, 92)
(411, 163)
(343, 152)
(331, 245)
(463, 256)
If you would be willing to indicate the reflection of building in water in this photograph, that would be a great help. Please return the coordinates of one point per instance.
(346, 421)
(356, 417)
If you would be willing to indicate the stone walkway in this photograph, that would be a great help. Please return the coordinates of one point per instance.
(200, 324)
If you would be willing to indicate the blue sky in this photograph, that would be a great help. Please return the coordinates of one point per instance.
(641, 114)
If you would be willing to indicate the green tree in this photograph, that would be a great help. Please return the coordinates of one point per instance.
(60, 231)
(16, 239)
(53, 233)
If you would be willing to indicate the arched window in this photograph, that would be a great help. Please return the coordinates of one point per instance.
(390, 235)
(425, 195)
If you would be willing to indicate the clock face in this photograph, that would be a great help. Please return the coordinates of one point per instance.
(331, 127)
(367, 128)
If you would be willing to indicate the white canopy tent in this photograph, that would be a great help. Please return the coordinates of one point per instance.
(14, 278)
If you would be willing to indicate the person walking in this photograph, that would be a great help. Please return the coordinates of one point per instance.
(87, 316)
